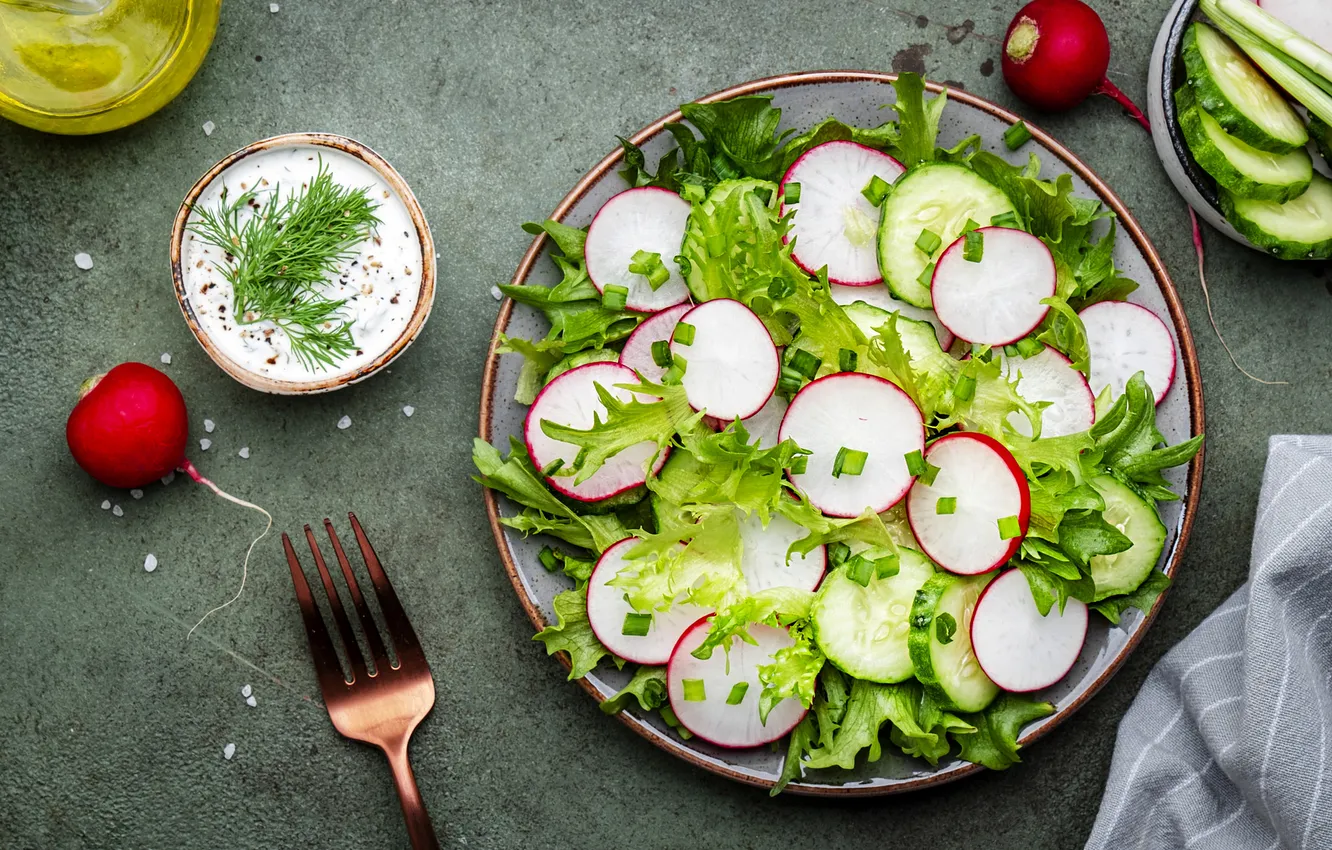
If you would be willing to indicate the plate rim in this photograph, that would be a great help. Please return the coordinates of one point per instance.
(1128, 223)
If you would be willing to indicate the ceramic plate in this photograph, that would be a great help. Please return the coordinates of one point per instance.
(855, 98)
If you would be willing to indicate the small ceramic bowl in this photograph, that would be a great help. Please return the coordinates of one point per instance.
(318, 382)
(1165, 74)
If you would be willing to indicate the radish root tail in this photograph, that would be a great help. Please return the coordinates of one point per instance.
(1112, 91)
(194, 474)
(1207, 297)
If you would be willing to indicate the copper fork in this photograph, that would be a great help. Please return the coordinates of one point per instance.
(383, 707)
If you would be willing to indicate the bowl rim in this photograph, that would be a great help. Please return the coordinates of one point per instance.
(426, 286)
(1188, 355)
(1181, 17)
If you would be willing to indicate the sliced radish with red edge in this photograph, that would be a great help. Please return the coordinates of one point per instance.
(1049, 376)
(1126, 339)
(1018, 648)
(637, 353)
(879, 296)
(835, 225)
(730, 365)
(858, 413)
(643, 219)
(571, 400)
(996, 299)
(978, 496)
(611, 615)
(763, 555)
(699, 689)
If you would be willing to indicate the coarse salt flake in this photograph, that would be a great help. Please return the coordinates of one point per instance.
(168, 478)
(408, 410)
(166, 358)
(136, 493)
(204, 444)
(106, 504)
(273, 7)
(83, 261)
(246, 691)
(116, 510)
(228, 751)
(344, 423)
(209, 425)
(495, 293)
(208, 128)
(244, 452)
(251, 702)
(150, 563)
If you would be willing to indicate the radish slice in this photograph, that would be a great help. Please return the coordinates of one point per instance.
(986, 486)
(1309, 18)
(1126, 339)
(712, 718)
(862, 413)
(637, 353)
(1018, 648)
(1050, 376)
(763, 555)
(607, 610)
(571, 399)
(644, 219)
(835, 225)
(879, 296)
(997, 300)
(731, 366)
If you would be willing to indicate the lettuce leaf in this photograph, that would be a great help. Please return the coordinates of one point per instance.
(921, 727)
(776, 606)
(793, 672)
(1133, 449)
(799, 744)
(647, 687)
(994, 743)
(743, 132)
(918, 119)
(1113, 607)
(573, 635)
(725, 468)
(699, 563)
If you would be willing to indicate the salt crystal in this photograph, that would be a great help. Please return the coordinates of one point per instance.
(209, 127)
(166, 358)
(168, 478)
(209, 425)
(408, 410)
(115, 509)
(495, 293)
(136, 493)
(273, 7)
(106, 504)
(83, 261)
(246, 691)
(251, 702)
(228, 751)
(204, 444)
(244, 452)
(344, 423)
(150, 563)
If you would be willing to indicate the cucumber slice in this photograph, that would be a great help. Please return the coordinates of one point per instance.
(1138, 520)
(939, 197)
(580, 358)
(1322, 136)
(1242, 169)
(950, 672)
(863, 630)
(918, 338)
(1299, 229)
(1237, 95)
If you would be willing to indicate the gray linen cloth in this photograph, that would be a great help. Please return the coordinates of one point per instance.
(1226, 746)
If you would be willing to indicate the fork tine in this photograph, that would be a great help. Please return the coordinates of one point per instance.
(327, 669)
(395, 619)
(349, 644)
(358, 600)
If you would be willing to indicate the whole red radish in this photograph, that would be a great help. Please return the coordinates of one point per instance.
(129, 427)
(1056, 53)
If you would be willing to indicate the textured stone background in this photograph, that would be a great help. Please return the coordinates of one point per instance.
(112, 725)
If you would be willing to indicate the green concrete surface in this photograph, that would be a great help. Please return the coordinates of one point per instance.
(112, 725)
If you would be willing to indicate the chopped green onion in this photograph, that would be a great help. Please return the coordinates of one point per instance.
(974, 248)
(692, 192)
(548, 559)
(887, 566)
(799, 465)
(1009, 527)
(649, 264)
(614, 297)
(1017, 136)
(553, 467)
(673, 721)
(791, 193)
(781, 287)
(849, 462)
(805, 363)
(737, 694)
(1010, 351)
(1008, 219)
(915, 462)
(946, 505)
(847, 360)
(838, 552)
(1029, 347)
(676, 372)
(684, 334)
(945, 627)
(926, 277)
(983, 353)
(661, 353)
(636, 625)
(876, 190)
(764, 194)
(965, 388)
(860, 570)
(969, 226)
(928, 242)
(931, 472)
(716, 244)
(694, 690)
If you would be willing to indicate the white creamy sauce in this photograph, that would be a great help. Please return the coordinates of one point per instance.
(379, 281)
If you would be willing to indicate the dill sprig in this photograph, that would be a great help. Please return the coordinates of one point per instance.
(282, 253)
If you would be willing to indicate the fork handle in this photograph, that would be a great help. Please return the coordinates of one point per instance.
(419, 828)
